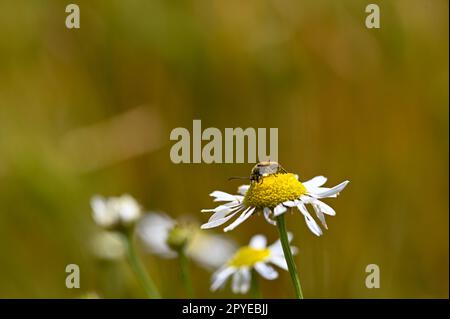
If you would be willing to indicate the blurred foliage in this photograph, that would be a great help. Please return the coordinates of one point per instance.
(351, 103)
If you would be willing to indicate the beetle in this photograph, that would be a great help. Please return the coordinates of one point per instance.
(266, 168)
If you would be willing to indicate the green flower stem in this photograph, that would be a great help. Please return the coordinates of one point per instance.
(288, 256)
(139, 270)
(255, 290)
(184, 267)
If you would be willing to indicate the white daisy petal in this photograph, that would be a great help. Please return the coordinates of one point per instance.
(208, 210)
(277, 249)
(312, 225)
(310, 222)
(279, 261)
(246, 279)
(278, 210)
(224, 212)
(320, 215)
(290, 203)
(258, 242)
(237, 199)
(315, 182)
(243, 217)
(222, 196)
(227, 206)
(102, 215)
(215, 210)
(153, 230)
(241, 281)
(129, 209)
(326, 209)
(242, 190)
(210, 250)
(266, 271)
(98, 203)
(217, 216)
(235, 282)
(321, 190)
(218, 222)
(267, 212)
(332, 191)
(220, 276)
(306, 199)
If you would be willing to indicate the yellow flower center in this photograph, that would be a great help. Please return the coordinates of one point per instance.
(273, 190)
(248, 256)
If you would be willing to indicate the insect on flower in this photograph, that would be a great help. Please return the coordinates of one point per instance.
(263, 169)
(272, 191)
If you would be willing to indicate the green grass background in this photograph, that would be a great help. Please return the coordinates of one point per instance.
(351, 103)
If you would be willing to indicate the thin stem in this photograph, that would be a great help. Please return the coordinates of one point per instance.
(288, 256)
(184, 266)
(139, 270)
(255, 290)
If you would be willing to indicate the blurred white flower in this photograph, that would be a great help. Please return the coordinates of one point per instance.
(254, 256)
(107, 246)
(115, 212)
(154, 230)
(210, 250)
(164, 236)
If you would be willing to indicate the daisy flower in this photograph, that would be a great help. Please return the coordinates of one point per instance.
(165, 237)
(273, 194)
(255, 256)
(120, 214)
(115, 212)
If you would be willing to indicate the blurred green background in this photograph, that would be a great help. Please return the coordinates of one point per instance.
(90, 111)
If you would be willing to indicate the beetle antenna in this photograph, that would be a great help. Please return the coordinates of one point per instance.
(237, 177)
